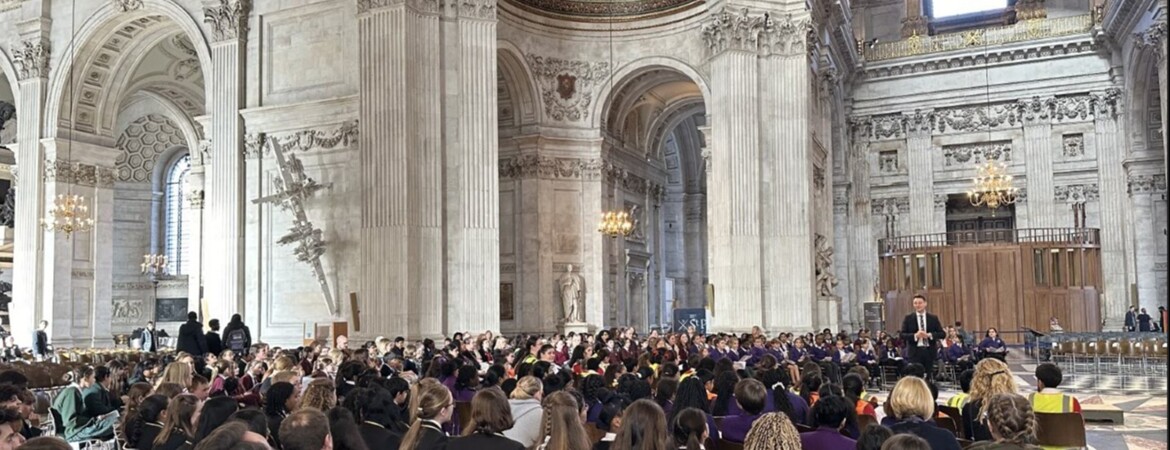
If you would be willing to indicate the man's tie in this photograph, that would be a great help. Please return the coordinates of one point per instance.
(921, 327)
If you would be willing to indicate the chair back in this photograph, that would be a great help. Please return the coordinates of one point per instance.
(800, 427)
(595, 434)
(1060, 429)
(954, 414)
(728, 445)
(947, 423)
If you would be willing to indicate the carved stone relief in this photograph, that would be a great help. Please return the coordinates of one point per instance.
(1073, 145)
(533, 166)
(1146, 184)
(344, 135)
(823, 266)
(31, 59)
(1077, 193)
(128, 5)
(888, 162)
(228, 19)
(940, 201)
(63, 171)
(567, 86)
(970, 118)
(891, 206)
(970, 155)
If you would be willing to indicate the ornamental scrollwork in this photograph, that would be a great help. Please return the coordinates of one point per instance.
(532, 166)
(732, 30)
(31, 59)
(128, 5)
(228, 19)
(785, 37)
(1146, 184)
(566, 86)
(1077, 193)
(1036, 110)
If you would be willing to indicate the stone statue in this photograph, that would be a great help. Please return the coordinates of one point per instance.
(571, 296)
(826, 281)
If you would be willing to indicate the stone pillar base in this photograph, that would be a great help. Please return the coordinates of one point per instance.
(828, 310)
(576, 327)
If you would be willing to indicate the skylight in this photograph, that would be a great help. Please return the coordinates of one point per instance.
(949, 8)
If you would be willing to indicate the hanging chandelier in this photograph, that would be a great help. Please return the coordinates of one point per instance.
(616, 223)
(992, 187)
(68, 215)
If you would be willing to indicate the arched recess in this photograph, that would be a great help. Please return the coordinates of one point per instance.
(1144, 105)
(649, 122)
(630, 71)
(518, 100)
(99, 51)
(9, 72)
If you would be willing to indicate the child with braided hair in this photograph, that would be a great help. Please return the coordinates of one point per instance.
(560, 424)
(1012, 424)
(772, 431)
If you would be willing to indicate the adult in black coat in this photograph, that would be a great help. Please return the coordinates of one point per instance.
(191, 339)
(40, 347)
(230, 340)
(1131, 319)
(922, 331)
(214, 346)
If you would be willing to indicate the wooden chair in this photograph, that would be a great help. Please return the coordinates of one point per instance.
(955, 415)
(948, 423)
(595, 434)
(1060, 430)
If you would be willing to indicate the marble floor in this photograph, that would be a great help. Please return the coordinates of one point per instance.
(1142, 398)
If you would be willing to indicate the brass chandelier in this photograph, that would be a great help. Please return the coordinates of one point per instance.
(992, 187)
(68, 215)
(616, 223)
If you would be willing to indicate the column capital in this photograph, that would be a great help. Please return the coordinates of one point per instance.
(919, 123)
(1146, 184)
(1107, 104)
(1036, 110)
(228, 19)
(476, 9)
(732, 30)
(364, 6)
(31, 59)
(785, 36)
(1153, 37)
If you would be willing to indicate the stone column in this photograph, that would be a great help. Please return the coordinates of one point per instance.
(1037, 159)
(384, 296)
(228, 20)
(194, 194)
(472, 172)
(734, 184)
(921, 161)
(915, 23)
(424, 154)
(1147, 229)
(694, 210)
(1154, 38)
(786, 175)
(1112, 181)
(31, 57)
(862, 264)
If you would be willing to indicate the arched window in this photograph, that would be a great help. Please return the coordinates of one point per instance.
(176, 233)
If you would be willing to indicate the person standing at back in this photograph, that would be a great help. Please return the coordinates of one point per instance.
(40, 346)
(1144, 321)
(1130, 319)
(191, 339)
(214, 344)
(237, 337)
(922, 332)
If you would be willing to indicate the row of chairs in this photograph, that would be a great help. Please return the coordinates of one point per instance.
(1109, 355)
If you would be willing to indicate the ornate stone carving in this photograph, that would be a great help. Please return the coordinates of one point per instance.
(1146, 184)
(367, 5)
(785, 36)
(818, 178)
(888, 127)
(477, 9)
(194, 198)
(940, 201)
(254, 145)
(228, 19)
(1073, 145)
(823, 266)
(891, 206)
(1077, 193)
(31, 59)
(888, 162)
(566, 86)
(540, 167)
(572, 300)
(1153, 37)
(1107, 104)
(105, 177)
(128, 311)
(632, 182)
(1072, 107)
(432, 6)
(344, 135)
(919, 123)
(861, 129)
(141, 143)
(971, 118)
(732, 30)
(1021, 195)
(1030, 10)
(81, 274)
(975, 154)
(128, 5)
(1036, 110)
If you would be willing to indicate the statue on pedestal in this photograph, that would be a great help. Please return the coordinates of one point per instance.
(826, 281)
(571, 298)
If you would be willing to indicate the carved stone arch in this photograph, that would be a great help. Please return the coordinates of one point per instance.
(641, 102)
(1142, 78)
(9, 71)
(690, 168)
(97, 31)
(631, 71)
(516, 81)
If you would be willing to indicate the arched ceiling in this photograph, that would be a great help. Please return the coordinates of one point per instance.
(595, 10)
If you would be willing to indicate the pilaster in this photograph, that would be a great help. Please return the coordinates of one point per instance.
(228, 23)
(424, 154)
(1146, 192)
(194, 195)
(1036, 114)
(919, 125)
(863, 250)
(31, 57)
(1112, 181)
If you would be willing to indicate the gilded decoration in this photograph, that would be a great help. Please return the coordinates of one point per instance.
(605, 9)
(1024, 30)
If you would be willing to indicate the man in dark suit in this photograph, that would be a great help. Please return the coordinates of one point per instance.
(922, 331)
(191, 339)
(40, 345)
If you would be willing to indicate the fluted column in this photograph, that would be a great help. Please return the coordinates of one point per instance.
(194, 194)
(734, 184)
(921, 161)
(1147, 226)
(31, 57)
(424, 77)
(385, 291)
(224, 281)
(786, 176)
(473, 249)
(1037, 158)
(694, 212)
(862, 265)
(1112, 181)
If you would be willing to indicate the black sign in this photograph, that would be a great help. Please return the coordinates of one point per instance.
(170, 310)
(874, 319)
(690, 317)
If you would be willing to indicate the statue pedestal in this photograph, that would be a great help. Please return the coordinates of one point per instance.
(828, 312)
(575, 327)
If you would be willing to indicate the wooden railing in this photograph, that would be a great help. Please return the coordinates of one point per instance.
(1080, 237)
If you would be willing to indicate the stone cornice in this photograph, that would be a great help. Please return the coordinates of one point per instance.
(64, 171)
(364, 6)
(343, 135)
(962, 60)
(1036, 110)
(228, 19)
(554, 168)
(31, 59)
(476, 9)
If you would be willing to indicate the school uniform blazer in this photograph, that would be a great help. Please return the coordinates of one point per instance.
(938, 438)
(483, 441)
(377, 436)
(431, 437)
(825, 438)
